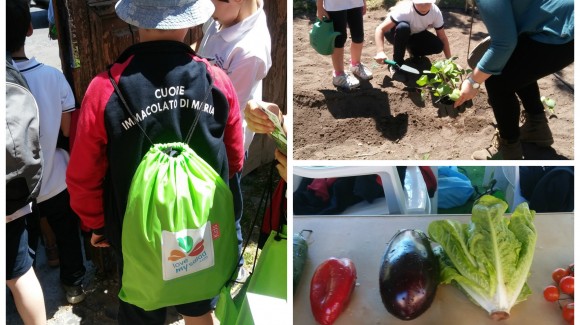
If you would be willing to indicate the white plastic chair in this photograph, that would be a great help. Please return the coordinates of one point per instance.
(410, 199)
(508, 179)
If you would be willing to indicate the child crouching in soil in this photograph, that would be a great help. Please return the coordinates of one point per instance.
(406, 27)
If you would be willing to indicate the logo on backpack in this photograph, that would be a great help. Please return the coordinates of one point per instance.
(186, 251)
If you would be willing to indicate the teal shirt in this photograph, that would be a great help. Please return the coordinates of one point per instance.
(545, 21)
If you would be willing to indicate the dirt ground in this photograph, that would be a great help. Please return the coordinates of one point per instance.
(385, 119)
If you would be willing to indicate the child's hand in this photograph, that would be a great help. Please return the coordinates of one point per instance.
(380, 57)
(320, 13)
(282, 162)
(99, 241)
(257, 120)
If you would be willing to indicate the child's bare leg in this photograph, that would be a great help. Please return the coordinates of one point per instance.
(206, 319)
(28, 298)
(338, 60)
(355, 52)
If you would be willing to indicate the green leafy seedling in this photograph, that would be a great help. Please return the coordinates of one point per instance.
(443, 79)
(549, 104)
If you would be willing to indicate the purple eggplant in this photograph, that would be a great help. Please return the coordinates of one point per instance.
(409, 275)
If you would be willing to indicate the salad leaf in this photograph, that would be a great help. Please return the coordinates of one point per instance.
(490, 258)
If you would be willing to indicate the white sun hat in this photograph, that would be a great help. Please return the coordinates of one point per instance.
(164, 14)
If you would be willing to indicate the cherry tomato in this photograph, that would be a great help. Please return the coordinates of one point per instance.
(551, 293)
(558, 274)
(568, 312)
(567, 285)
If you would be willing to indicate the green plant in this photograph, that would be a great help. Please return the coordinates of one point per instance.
(549, 104)
(444, 79)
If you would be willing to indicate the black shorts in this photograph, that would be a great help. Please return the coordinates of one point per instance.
(19, 256)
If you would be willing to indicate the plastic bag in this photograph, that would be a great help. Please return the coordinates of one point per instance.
(268, 279)
(455, 189)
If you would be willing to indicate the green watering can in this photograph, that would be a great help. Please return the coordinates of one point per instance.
(322, 36)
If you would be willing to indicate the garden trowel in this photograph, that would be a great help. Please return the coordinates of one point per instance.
(403, 67)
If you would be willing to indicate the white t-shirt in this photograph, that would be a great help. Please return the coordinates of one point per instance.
(243, 52)
(54, 97)
(407, 13)
(337, 5)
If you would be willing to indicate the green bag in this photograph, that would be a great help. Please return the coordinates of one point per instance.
(179, 240)
(322, 36)
(268, 279)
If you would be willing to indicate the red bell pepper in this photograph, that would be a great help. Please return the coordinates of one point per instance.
(330, 289)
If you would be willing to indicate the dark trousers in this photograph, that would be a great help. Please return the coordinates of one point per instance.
(351, 18)
(236, 188)
(420, 44)
(529, 62)
(65, 224)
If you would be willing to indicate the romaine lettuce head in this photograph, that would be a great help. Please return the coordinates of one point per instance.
(490, 258)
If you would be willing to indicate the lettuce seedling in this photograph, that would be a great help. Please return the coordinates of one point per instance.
(490, 258)
(444, 79)
(549, 104)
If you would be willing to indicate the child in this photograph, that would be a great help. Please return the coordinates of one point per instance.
(406, 28)
(237, 39)
(55, 103)
(23, 174)
(108, 149)
(345, 13)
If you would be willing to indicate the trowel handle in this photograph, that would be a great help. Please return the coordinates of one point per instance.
(387, 61)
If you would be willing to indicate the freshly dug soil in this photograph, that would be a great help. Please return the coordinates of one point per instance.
(386, 119)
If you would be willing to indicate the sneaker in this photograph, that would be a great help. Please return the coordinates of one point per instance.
(361, 71)
(345, 81)
(500, 149)
(74, 294)
(536, 130)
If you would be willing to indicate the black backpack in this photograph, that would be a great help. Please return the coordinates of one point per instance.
(548, 189)
(23, 154)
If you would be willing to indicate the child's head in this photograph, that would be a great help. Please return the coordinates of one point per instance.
(231, 12)
(165, 14)
(17, 24)
(423, 6)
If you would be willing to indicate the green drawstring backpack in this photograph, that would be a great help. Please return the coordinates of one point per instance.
(179, 241)
(268, 279)
(322, 36)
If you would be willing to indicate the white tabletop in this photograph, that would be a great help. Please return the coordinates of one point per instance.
(364, 240)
